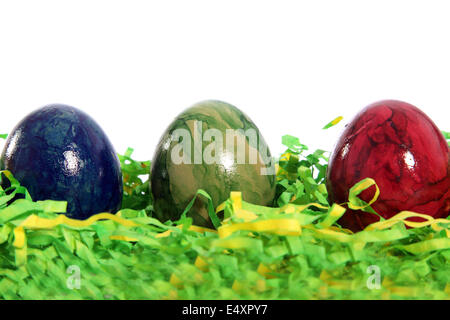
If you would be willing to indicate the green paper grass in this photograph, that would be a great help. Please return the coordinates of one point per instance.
(447, 136)
(293, 251)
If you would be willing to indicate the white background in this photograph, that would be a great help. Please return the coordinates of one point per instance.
(292, 66)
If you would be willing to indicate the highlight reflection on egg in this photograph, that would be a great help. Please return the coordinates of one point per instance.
(401, 148)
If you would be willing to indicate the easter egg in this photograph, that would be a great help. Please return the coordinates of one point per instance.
(400, 147)
(60, 153)
(215, 147)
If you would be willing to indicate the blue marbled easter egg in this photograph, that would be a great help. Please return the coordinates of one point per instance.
(60, 153)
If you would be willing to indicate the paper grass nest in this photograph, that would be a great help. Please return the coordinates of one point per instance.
(291, 251)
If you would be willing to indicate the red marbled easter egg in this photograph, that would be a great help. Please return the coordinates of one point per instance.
(400, 147)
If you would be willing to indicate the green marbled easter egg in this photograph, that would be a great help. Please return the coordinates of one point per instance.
(215, 147)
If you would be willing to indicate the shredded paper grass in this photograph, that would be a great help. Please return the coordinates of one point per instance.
(294, 250)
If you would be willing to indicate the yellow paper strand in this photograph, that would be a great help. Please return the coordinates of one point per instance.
(36, 222)
(401, 216)
(363, 185)
(123, 238)
(276, 226)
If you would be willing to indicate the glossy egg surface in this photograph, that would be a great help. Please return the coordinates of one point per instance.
(60, 153)
(401, 148)
(208, 164)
